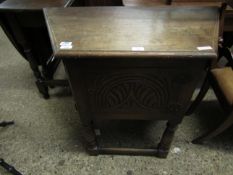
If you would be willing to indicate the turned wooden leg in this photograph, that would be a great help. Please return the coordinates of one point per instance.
(22, 41)
(47, 74)
(89, 138)
(166, 140)
(205, 87)
(222, 127)
(88, 134)
(43, 89)
(33, 64)
(50, 67)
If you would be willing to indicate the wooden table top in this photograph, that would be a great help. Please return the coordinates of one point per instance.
(133, 31)
(33, 4)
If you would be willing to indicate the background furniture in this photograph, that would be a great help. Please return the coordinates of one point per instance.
(221, 80)
(99, 3)
(225, 43)
(173, 2)
(24, 24)
(122, 68)
(228, 24)
(119, 2)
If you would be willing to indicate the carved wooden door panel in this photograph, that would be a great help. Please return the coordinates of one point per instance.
(150, 90)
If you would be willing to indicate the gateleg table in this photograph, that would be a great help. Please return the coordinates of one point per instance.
(24, 24)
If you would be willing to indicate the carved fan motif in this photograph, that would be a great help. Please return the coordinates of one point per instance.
(130, 91)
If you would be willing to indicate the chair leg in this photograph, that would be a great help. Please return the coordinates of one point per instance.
(227, 54)
(205, 87)
(8, 167)
(222, 127)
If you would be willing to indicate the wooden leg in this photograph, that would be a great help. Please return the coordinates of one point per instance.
(227, 54)
(222, 127)
(50, 67)
(43, 89)
(88, 135)
(46, 73)
(19, 37)
(48, 76)
(33, 64)
(9, 168)
(4, 123)
(166, 140)
(205, 87)
(90, 139)
(13, 25)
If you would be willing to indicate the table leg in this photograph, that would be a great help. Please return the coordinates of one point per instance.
(89, 138)
(43, 89)
(50, 67)
(166, 140)
(88, 134)
(27, 51)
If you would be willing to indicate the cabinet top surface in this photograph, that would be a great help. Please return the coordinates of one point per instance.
(133, 31)
(33, 4)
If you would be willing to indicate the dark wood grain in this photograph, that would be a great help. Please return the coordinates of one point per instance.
(33, 4)
(228, 24)
(93, 30)
(24, 24)
(173, 2)
(110, 81)
(99, 3)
